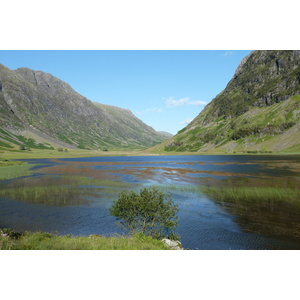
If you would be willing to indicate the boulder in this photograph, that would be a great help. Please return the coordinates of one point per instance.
(174, 245)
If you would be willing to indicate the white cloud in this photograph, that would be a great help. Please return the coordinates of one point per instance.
(172, 102)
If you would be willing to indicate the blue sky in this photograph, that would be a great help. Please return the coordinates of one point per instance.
(164, 88)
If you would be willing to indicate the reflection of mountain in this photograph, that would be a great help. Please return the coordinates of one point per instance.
(272, 218)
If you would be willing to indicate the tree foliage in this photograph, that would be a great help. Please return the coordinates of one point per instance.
(150, 211)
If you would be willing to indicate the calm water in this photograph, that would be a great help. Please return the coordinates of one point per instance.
(205, 223)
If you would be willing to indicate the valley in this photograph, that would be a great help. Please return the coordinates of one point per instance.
(233, 171)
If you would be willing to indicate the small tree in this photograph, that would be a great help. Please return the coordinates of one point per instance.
(150, 212)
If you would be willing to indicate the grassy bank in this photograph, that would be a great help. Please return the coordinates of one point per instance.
(71, 153)
(10, 240)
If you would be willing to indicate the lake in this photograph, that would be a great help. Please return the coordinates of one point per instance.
(73, 196)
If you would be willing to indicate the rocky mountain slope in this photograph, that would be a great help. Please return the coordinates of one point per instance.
(259, 110)
(40, 111)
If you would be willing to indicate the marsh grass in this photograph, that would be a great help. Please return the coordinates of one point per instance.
(88, 181)
(62, 190)
(9, 171)
(253, 194)
(47, 241)
(52, 195)
(169, 188)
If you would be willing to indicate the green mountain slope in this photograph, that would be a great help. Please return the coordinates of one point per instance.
(40, 111)
(259, 110)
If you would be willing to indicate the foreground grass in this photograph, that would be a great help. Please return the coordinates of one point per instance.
(253, 194)
(47, 241)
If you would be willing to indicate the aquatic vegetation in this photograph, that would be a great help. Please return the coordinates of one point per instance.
(253, 194)
(265, 210)
(187, 188)
(47, 195)
(90, 181)
(62, 190)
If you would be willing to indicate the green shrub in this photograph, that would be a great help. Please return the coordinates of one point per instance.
(151, 212)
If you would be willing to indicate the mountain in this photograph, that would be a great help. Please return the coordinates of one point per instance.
(166, 134)
(40, 111)
(259, 110)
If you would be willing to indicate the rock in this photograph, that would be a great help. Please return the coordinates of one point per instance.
(94, 235)
(174, 245)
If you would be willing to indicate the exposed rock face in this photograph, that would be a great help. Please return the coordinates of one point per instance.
(39, 101)
(257, 90)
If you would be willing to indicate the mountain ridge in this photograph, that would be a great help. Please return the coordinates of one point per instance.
(35, 104)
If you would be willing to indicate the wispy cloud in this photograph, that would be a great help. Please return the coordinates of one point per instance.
(172, 102)
(228, 53)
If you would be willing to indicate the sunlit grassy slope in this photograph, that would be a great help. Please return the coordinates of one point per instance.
(273, 128)
(259, 110)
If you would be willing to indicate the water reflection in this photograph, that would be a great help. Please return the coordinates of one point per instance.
(272, 218)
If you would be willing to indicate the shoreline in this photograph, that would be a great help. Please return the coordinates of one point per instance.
(45, 154)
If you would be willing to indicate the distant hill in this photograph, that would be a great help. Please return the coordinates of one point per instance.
(166, 134)
(39, 110)
(259, 110)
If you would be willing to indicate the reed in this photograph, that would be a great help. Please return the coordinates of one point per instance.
(88, 181)
(62, 190)
(253, 194)
(48, 195)
(169, 188)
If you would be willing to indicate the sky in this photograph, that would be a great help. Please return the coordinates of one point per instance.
(166, 89)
